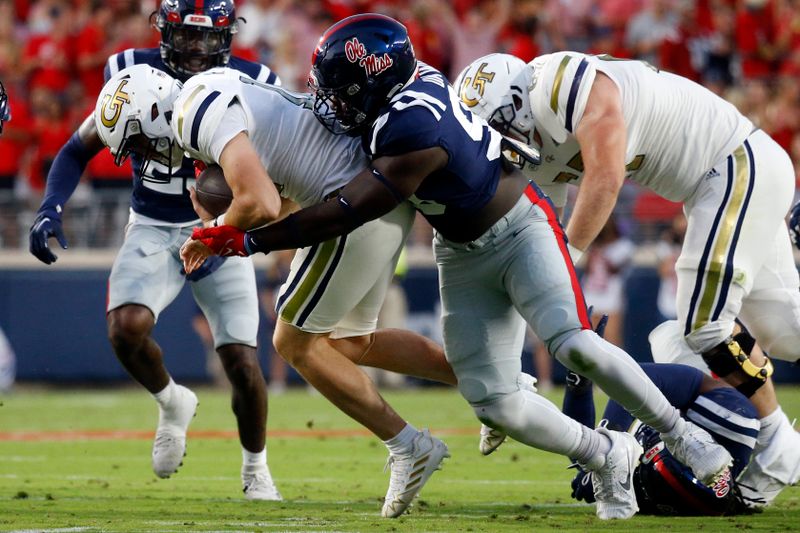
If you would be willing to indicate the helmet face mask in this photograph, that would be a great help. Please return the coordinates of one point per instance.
(336, 111)
(195, 39)
(133, 115)
(358, 65)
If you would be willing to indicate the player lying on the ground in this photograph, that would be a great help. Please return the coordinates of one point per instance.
(501, 253)
(774, 466)
(597, 120)
(266, 141)
(663, 485)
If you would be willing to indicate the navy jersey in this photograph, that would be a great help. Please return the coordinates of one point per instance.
(155, 195)
(425, 114)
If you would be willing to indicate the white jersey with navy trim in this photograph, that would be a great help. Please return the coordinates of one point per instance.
(676, 129)
(161, 198)
(304, 160)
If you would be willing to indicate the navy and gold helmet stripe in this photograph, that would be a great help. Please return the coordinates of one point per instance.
(313, 276)
(715, 271)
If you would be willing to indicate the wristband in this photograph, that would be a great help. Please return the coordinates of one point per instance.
(574, 253)
(219, 221)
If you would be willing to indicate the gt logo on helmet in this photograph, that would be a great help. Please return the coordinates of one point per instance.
(479, 84)
(114, 103)
(357, 53)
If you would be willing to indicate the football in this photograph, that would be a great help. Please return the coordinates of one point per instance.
(213, 191)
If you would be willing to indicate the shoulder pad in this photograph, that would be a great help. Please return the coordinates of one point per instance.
(560, 87)
(201, 106)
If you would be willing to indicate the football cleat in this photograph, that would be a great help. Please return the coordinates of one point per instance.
(411, 471)
(491, 438)
(696, 448)
(169, 445)
(772, 468)
(258, 485)
(613, 482)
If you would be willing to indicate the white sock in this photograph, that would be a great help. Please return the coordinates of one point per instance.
(164, 396)
(593, 449)
(254, 460)
(402, 442)
(769, 425)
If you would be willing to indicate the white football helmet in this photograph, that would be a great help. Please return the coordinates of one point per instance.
(133, 114)
(496, 88)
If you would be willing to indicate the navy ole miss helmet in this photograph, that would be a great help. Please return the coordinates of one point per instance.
(358, 65)
(665, 486)
(196, 35)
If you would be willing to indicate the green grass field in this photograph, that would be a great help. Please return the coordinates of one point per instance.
(79, 460)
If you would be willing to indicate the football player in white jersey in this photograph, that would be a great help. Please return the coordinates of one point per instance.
(597, 120)
(275, 154)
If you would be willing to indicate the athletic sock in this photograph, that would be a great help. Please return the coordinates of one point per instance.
(769, 425)
(403, 441)
(592, 449)
(252, 461)
(164, 396)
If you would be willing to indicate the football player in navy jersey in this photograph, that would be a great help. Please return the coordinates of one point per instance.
(499, 247)
(663, 485)
(195, 35)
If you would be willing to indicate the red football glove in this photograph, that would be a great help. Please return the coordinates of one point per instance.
(223, 240)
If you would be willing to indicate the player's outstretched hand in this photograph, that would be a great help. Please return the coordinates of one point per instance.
(193, 254)
(794, 225)
(221, 240)
(46, 225)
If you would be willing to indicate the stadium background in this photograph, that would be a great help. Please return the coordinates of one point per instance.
(52, 53)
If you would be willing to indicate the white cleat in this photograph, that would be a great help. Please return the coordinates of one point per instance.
(696, 448)
(258, 485)
(411, 471)
(169, 446)
(772, 468)
(613, 482)
(491, 438)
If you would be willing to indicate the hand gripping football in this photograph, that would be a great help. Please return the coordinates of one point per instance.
(213, 191)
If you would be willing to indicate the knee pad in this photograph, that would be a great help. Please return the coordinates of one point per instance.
(731, 355)
(502, 413)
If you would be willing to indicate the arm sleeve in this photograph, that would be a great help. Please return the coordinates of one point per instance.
(65, 173)
(365, 198)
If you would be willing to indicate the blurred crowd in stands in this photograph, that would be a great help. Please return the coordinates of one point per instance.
(52, 54)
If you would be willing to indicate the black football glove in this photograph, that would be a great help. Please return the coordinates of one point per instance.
(46, 225)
